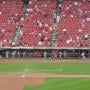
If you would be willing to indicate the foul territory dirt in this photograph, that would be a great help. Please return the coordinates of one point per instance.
(17, 82)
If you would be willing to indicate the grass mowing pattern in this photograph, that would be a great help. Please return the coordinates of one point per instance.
(46, 68)
(62, 84)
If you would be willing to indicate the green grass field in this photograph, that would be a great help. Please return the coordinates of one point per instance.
(53, 83)
(47, 68)
(62, 84)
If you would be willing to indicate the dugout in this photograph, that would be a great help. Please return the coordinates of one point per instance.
(38, 52)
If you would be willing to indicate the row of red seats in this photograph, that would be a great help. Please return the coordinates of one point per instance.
(10, 11)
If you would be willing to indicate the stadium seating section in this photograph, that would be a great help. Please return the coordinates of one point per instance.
(72, 30)
(10, 11)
